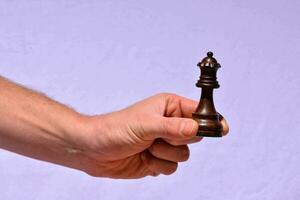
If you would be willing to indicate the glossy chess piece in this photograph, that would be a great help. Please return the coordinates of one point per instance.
(206, 115)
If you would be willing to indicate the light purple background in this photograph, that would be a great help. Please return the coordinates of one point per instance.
(100, 56)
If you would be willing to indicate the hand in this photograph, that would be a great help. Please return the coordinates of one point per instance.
(147, 138)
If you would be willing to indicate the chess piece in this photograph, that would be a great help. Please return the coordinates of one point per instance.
(206, 115)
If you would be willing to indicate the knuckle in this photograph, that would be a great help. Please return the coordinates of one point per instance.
(154, 174)
(172, 169)
(171, 98)
(168, 97)
(185, 154)
(165, 94)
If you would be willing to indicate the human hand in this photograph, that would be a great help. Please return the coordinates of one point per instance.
(147, 138)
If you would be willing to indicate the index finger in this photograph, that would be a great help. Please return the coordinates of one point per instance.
(178, 106)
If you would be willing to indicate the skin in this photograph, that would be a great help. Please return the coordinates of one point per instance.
(148, 138)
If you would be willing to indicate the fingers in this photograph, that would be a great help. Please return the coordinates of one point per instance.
(184, 141)
(178, 106)
(225, 125)
(163, 150)
(169, 128)
(158, 166)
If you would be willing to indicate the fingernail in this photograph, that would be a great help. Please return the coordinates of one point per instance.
(188, 127)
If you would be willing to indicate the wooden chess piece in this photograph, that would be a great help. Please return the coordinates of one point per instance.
(206, 115)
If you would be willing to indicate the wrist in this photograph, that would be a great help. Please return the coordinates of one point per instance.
(85, 131)
(77, 130)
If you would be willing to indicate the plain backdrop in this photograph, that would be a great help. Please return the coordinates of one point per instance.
(100, 56)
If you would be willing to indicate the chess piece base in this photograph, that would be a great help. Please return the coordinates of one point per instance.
(208, 126)
(205, 133)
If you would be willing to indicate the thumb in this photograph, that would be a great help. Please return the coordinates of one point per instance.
(169, 128)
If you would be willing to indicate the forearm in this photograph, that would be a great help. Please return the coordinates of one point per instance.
(33, 125)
